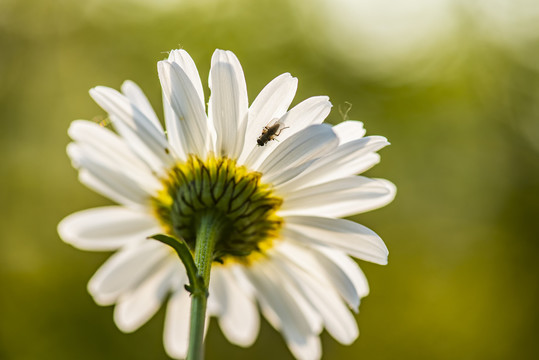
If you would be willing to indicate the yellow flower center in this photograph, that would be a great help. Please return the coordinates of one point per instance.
(221, 187)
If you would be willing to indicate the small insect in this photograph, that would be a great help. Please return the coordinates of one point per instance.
(101, 121)
(270, 132)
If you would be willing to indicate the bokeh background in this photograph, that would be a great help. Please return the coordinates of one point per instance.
(453, 84)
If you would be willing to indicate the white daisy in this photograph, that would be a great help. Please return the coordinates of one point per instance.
(284, 247)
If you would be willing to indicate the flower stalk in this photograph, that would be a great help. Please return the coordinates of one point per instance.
(209, 228)
(198, 271)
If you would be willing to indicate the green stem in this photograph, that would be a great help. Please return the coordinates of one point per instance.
(208, 231)
(198, 272)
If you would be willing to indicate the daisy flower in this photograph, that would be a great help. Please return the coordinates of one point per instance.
(278, 180)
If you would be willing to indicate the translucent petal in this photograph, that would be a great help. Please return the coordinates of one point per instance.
(135, 94)
(141, 134)
(228, 103)
(337, 318)
(106, 228)
(271, 103)
(107, 181)
(107, 142)
(176, 334)
(290, 307)
(345, 160)
(136, 307)
(341, 197)
(108, 149)
(349, 130)
(125, 270)
(309, 112)
(186, 63)
(330, 266)
(348, 236)
(174, 131)
(292, 156)
(346, 274)
(190, 125)
(238, 319)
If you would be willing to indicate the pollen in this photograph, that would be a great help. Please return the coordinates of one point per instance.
(218, 185)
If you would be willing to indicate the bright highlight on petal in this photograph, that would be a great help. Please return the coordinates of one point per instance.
(228, 103)
(280, 199)
(180, 93)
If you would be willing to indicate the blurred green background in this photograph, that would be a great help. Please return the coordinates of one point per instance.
(453, 84)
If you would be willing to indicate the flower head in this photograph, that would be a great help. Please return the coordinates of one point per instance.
(279, 180)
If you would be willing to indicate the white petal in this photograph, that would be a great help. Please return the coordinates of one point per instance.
(136, 307)
(125, 270)
(102, 188)
(271, 103)
(106, 228)
(242, 280)
(341, 197)
(328, 265)
(190, 124)
(347, 159)
(110, 145)
(228, 102)
(238, 318)
(365, 162)
(337, 318)
(309, 112)
(346, 274)
(106, 181)
(292, 156)
(174, 132)
(107, 148)
(176, 334)
(349, 130)
(303, 343)
(135, 94)
(296, 318)
(348, 236)
(280, 297)
(112, 167)
(308, 348)
(143, 137)
(215, 303)
(182, 58)
(174, 129)
(301, 255)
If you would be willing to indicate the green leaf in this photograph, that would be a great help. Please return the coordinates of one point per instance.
(196, 283)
